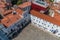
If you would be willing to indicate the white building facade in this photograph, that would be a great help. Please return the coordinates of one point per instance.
(57, 1)
(45, 25)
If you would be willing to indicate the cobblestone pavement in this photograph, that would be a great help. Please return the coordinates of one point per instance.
(34, 33)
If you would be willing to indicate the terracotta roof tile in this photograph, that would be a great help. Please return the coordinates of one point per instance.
(26, 4)
(56, 15)
(19, 11)
(11, 19)
(45, 17)
(7, 12)
(2, 4)
(6, 22)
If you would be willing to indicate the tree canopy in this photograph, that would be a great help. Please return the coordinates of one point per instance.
(51, 0)
(16, 2)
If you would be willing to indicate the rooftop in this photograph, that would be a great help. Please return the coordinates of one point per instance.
(45, 17)
(10, 19)
(8, 14)
(26, 4)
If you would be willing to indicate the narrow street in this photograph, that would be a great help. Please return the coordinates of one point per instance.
(33, 33)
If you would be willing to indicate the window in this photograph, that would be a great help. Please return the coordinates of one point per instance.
(26, 15)
(52, 27)
(36, 20)
(39, 21)
(33, 19)
(48, 25)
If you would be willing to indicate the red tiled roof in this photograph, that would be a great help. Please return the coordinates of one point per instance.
(7, 12)
(45, 17)
(11, 19)
(2, 4)
(26, 4)
(56, 14)
(6, 22)
(19, 11)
